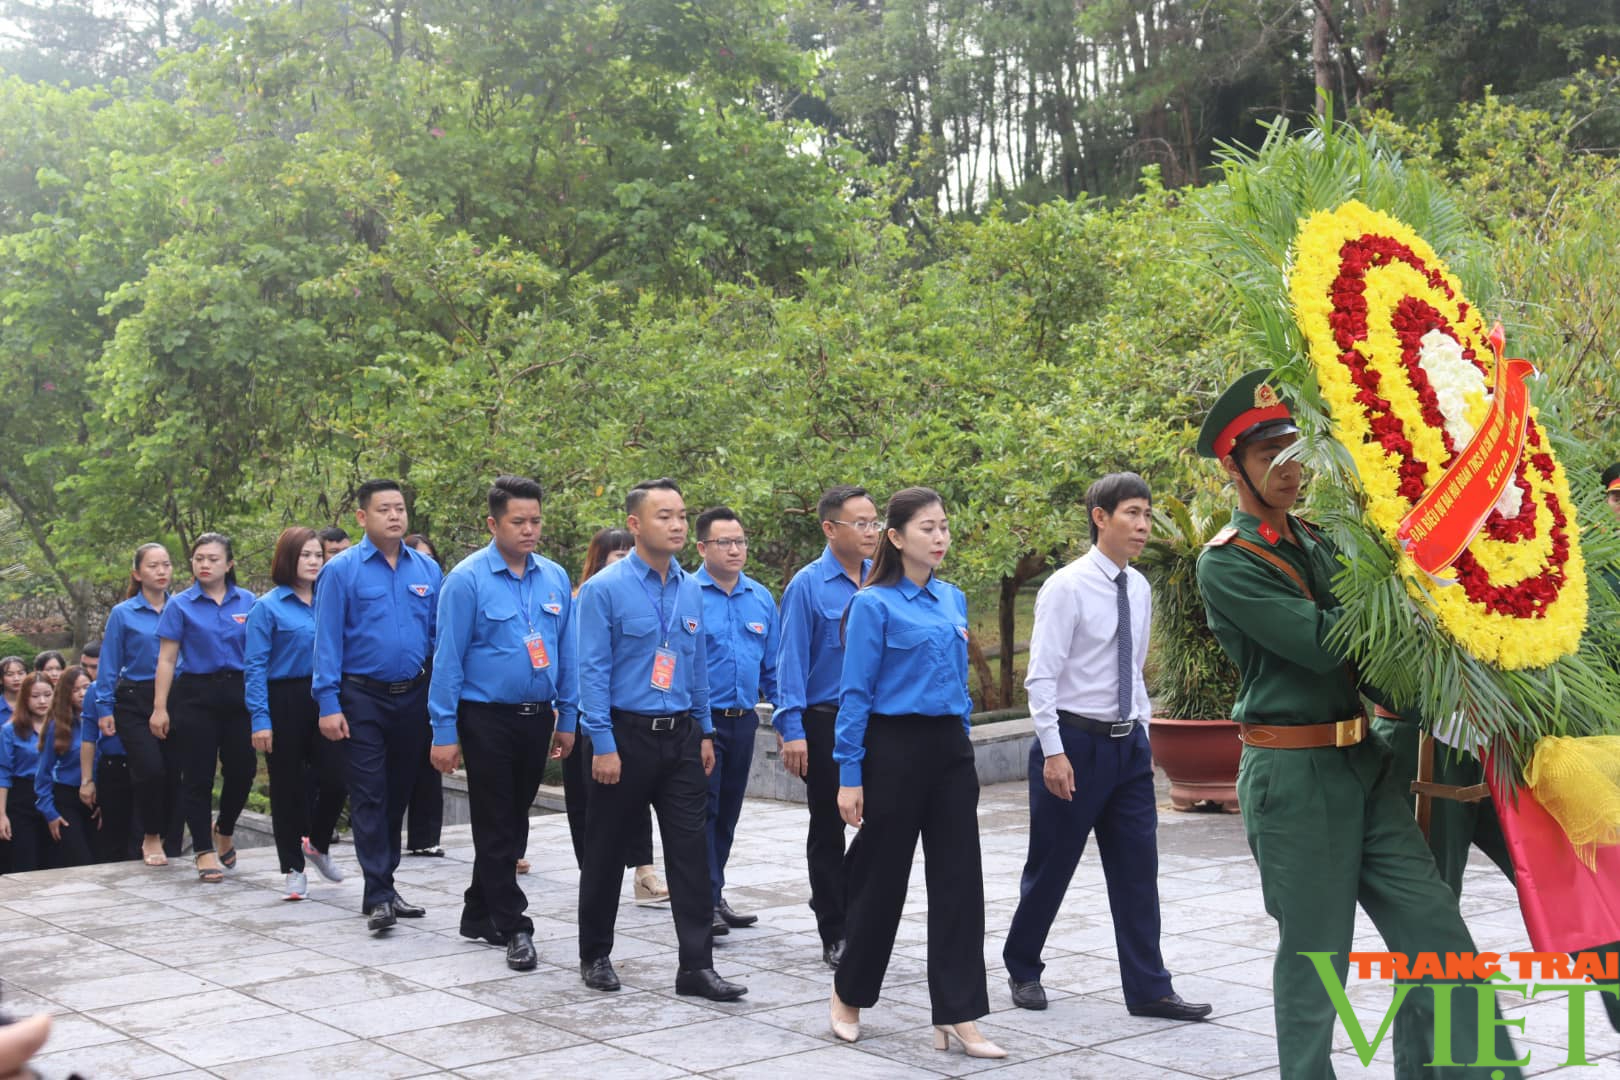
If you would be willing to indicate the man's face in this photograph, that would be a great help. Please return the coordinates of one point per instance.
(1122, 534)
(384, 517)
(659, 523)
(725, 552)
(90, 665)
(517, 530)
(1278, 483)
(1614, 503)
(330, 548)
(855, 530)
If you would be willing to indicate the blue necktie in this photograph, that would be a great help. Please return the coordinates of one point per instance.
(1122, 638)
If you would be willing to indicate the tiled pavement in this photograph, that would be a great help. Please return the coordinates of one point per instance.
(153, 974)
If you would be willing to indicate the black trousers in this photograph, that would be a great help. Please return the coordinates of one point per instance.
(918, 780)
(208, 720)
(154, 765)
(388, 736)
(824, 843)
(30, 842)
(117, 835)
(424, 819)
(505, 755)
(576, 794)
(663, 769)
(73, 849)
(301, 758)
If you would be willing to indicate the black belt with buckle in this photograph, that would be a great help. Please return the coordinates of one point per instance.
(731, 714)
(222, 675)
(1114, 729)
(381, 686)
(515, 708)
(653, 723)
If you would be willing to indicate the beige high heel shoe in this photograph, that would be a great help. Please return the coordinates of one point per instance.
(650, 888)
(843, 1030)
(974, 1045)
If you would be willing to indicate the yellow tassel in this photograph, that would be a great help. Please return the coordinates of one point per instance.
(1577, 781)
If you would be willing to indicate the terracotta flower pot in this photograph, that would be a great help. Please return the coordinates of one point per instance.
(1201, 759)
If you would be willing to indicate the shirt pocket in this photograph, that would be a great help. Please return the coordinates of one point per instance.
(502, 619)
(372, 598)
(832, 625)
(910, 639)
(639, 628)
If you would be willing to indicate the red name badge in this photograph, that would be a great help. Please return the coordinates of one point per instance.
(663, 673)
(537, 652)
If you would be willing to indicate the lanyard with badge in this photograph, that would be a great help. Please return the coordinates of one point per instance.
(539, 659)
(663, 670)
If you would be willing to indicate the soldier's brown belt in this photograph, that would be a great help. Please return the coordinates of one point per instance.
(1305, 736)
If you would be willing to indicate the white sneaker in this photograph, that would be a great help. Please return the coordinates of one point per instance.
(323, 863)
(297, 886)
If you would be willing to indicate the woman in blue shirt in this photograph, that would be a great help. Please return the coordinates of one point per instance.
(56, 778)
(201, 635)
(20, 821)
(122, 702)
(906, 770)
(278, 659)
(12, 670)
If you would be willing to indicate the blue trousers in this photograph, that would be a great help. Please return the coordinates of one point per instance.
(1113, 797)
(733, 754)
(388, 737)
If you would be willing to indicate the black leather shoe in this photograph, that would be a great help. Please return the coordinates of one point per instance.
(833, 954)
(520, 954)
(483, 931)
(407, 911)
(719, 927)
(1028, 995)
(723, 910)
(1171, 1008)
(380, 917)
(707, 984)
(598, 974)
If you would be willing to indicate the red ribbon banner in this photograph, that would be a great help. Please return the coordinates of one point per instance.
(1451, 513)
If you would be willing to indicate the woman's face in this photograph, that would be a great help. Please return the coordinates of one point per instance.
(310, 561)
(81, 686)
(613, 557)
(52, 670)
(39, 698)
(13, 677)
(926, 537)
(210, 563)
(156, 570)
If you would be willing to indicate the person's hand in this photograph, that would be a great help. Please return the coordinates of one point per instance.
(159, 723)
(56, 826)
(87, 793)
(852, 805)
(263, 740)
(445, 758)
(1059, 776)
(21, 1041)
(707, 755)
(795, 756)
(335, 726)
(562, 744)
(108, 725)
(605, 768)
(5, 826)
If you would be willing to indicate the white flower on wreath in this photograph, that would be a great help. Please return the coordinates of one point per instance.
(1458, 386)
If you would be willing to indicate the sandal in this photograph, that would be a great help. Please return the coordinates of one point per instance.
(211, 875)
(650, 888)
(227, 858)
(156, 858)
(523, 866)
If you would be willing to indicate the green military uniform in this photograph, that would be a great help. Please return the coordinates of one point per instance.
(1329, 826)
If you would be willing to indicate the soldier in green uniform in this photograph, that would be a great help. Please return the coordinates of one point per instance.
(1328, 825)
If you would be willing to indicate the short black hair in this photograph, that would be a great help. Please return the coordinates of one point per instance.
(46, 657)
(712, 515)
(92, 650)
(363, 494)
(834, 498)
(1112, 490)
(332, 534)
(507, 488)
(632, 501)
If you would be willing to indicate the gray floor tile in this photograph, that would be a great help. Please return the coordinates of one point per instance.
(403, 1012)
(143, 1019)
(210, 1045)
(597, 1061)
(715, 1044)
(359, 1060)
(474, 1042)
(129, 1059)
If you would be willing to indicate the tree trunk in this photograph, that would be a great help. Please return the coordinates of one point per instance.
(1322, 58)
(77, 590)
(1031, 564)
(1379, 16)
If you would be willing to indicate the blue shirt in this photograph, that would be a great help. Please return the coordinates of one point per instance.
(19, 754)
(90, 731)
(485, 618)
(625, 615)
(55, 769)
(811, 660)
(211, 634)
(739, 633)
(5, 710)
(372, 619)
(129, 650)
(280, 645)
(906, 654)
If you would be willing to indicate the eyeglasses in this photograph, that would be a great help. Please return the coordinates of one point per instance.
(862, 526)
(728, 543)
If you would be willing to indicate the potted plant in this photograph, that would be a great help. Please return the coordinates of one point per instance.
(1191, 681)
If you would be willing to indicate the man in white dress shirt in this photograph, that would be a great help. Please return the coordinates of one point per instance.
(1090, 768)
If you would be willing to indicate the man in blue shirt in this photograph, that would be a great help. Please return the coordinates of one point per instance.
(739, 633)
(809, 667)
(374, 622)
(644, 704)
(503, 677)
